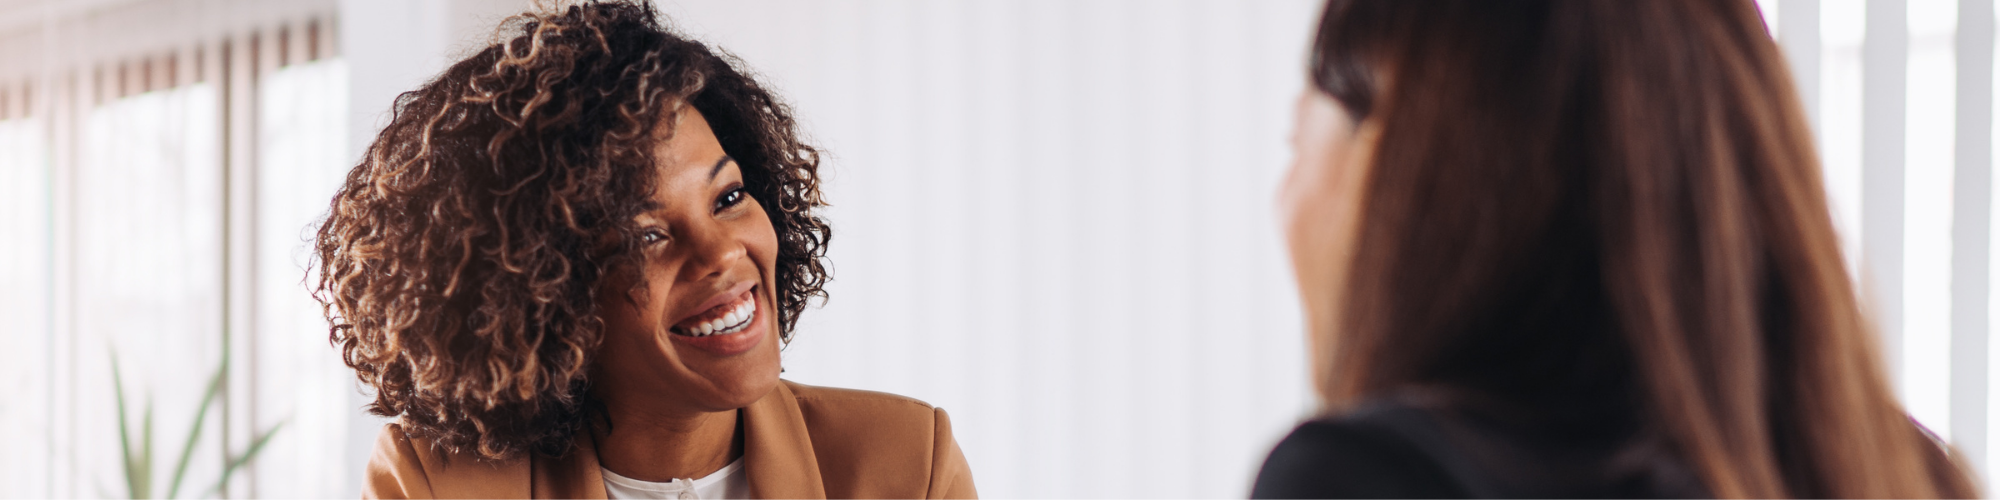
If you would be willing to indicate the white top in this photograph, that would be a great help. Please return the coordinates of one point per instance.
(730, 482)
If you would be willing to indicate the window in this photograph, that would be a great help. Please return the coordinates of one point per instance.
(300, 380)
(25, 306)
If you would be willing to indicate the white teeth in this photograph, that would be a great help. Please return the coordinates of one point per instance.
(744, 313)
(731, 322)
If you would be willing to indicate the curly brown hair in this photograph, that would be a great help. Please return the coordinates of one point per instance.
(461, 260)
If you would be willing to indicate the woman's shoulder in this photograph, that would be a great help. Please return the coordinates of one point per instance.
(883, 421)
(858, 436)
(406, 466)
(1388, 449)
(1351, 458)
(851, 400)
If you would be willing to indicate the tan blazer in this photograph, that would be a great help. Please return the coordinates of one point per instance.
(798, 442)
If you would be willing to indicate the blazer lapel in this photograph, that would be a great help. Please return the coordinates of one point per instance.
(777, 450)
(574, 476)
(777, 455)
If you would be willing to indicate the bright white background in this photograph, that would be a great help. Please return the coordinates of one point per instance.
(1052, 218)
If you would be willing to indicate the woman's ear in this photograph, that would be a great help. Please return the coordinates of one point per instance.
(1367, 135)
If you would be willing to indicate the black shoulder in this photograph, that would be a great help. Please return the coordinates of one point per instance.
(1335, 459)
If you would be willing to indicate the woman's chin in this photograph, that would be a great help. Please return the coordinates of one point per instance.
(739, 390)
(737, 380)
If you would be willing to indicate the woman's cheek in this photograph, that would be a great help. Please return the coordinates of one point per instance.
(763, 241)
(1312, 230)
(1322, 202)
(1313, 189)
(1310, 205)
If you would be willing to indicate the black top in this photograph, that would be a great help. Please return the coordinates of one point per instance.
(1391, 450)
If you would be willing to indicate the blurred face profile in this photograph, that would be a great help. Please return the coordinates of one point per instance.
(1320, 201)
(698, 333)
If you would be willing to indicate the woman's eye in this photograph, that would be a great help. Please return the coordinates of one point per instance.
(652, 236)
(731, 198)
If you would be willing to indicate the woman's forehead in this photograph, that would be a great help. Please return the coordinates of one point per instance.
(689, 140)
(691, 152)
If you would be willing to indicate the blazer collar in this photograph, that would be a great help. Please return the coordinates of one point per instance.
(777, 451)
(777, 454)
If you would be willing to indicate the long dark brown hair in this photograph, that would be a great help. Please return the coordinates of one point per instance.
(461, 261)
(1582, 205)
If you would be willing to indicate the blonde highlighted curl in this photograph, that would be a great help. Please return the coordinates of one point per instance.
(461, 260)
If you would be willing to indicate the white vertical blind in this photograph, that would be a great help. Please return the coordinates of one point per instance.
(115, 211)
(1884, 98)
(1904, 114)
(1971, 237)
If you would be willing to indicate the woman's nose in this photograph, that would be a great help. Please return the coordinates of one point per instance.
(712, 249)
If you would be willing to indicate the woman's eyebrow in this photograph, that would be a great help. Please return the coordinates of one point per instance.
(718, 166)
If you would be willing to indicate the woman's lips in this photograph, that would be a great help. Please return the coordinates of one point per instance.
(717, 304)
(729, 338)
(725, 318)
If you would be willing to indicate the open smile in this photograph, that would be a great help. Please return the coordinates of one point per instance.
(729, 327)
(724, 319)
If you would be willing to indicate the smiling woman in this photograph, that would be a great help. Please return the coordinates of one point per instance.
(567, 267)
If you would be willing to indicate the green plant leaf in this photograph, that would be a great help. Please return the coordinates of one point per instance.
(124, 430)
(194, 433)
(146, 451)
(256, 446)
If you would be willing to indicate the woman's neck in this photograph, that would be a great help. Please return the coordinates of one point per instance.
(652, 445)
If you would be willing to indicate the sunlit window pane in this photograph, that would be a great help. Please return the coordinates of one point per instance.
(24, 303)
(1770, 10)
(302, 156)
(1842, 26)
(1926, 350)
(148, 256)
